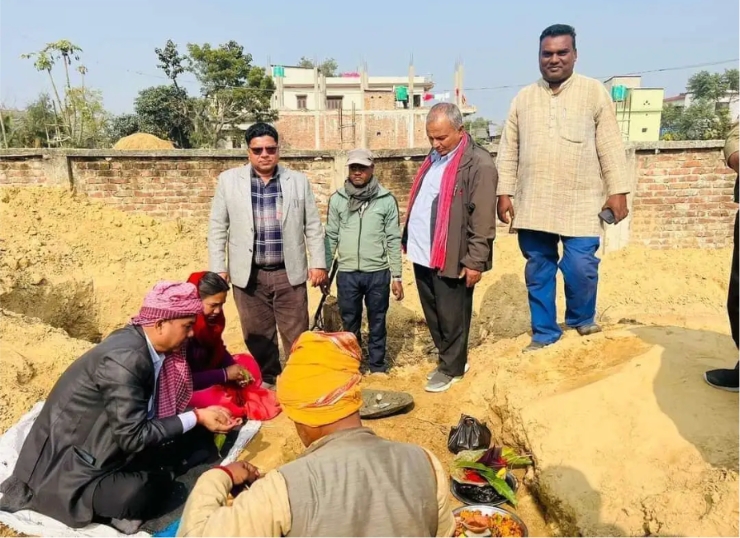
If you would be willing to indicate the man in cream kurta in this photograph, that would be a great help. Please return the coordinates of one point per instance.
(562, 160)
(349, 482)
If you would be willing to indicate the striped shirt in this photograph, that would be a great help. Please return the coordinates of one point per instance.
(267, 208)
(561, 155)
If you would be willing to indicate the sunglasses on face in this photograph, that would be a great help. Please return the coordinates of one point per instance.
(271, 150)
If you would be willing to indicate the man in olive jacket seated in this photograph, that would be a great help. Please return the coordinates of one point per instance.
(91, 454)
(348, 482)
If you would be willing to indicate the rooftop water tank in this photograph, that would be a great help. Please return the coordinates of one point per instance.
(619, 93)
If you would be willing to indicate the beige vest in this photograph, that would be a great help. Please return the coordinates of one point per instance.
(353, 483)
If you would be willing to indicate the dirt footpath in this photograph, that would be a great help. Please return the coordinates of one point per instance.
(628, 440)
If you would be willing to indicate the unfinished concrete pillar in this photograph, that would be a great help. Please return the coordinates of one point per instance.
(57, 169)
(411, 125)
(363, 89)
(317, 108)
(340, 169)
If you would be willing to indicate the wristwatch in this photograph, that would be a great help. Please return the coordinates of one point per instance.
(397, 279)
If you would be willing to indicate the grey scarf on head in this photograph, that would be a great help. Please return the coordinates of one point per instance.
(360, 195)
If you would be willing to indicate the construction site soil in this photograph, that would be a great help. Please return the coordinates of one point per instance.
(627, 438)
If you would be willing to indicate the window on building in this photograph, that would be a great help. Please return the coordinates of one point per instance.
(301, 102)
(417, 101)
(334, 102)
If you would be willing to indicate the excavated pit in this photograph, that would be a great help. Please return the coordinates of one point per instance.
(69, 305)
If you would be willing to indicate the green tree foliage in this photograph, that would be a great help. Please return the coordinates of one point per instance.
(89, 118)
(163, 112)
(171, 61)
(80, 119)
(233, 91)
(32, 127)
(122, 125)
(478, 129)
(706, 118)
(712, 86)
(328, 67)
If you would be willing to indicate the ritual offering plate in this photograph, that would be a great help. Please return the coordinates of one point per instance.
(482, 494)
(384, 403)
(483, 476)
(482, 520)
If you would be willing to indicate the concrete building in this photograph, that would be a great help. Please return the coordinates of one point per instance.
(296, 90)
(356, 109)
(731, 101)
(638, 109)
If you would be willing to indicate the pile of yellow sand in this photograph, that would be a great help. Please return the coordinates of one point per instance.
(139, 141)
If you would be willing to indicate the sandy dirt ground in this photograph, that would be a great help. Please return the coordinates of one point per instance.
(627, 438)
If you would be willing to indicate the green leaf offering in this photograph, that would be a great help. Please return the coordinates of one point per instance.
(503, 489)
(219, 439)
(513, 459)
(478, 467)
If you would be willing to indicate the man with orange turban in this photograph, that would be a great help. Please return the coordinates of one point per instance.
(349, 482)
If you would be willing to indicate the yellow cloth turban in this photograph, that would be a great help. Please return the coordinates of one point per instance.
(320, 382)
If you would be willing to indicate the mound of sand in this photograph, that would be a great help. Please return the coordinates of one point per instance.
(83, 266)
(139, 141)
(32, 354)
(73, 268)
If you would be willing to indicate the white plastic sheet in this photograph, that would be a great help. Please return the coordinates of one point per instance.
(35, 524)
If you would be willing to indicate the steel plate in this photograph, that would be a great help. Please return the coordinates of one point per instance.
(389, 403)
(491, 510)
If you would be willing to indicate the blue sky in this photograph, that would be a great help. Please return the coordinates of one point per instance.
(497, 41)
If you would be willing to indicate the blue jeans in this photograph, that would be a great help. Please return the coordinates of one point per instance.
(375, 288)
(580, 268)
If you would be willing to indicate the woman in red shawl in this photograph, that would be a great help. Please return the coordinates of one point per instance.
(218, 378)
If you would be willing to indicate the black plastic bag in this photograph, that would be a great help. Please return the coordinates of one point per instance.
(469, 434)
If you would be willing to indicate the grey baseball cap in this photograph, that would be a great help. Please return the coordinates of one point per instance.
(360, 156)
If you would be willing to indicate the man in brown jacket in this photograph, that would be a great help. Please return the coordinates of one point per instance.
(449, 233)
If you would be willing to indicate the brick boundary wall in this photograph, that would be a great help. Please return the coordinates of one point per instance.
(682, 196)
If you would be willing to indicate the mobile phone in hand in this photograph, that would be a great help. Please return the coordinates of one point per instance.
(607, 215)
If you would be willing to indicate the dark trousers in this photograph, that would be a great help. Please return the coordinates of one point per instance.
(374, 288)
(580, 268)
(448, 309)
(733, 294)
(141, 488)
(267, 305)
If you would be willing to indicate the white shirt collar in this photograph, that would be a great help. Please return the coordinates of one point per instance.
(156, 357)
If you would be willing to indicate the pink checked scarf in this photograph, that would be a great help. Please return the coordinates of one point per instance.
(171, 300)
(446, 194)
(174, 385)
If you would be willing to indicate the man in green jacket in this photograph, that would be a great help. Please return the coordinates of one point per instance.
(363, 230)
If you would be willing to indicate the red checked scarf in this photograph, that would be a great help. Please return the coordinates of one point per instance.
(446, 194)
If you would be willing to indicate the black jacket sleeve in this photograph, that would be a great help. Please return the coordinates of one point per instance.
(126, 401)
